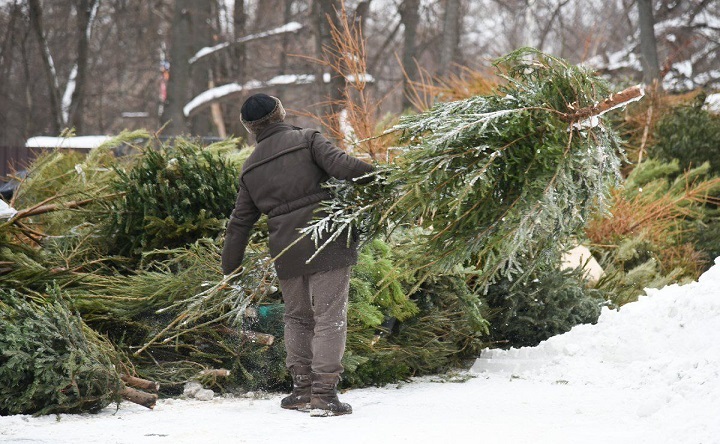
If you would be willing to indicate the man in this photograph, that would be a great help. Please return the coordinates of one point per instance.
(283, 178)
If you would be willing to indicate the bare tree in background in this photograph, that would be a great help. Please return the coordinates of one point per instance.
(410, 18)
(326, 12)
(239, 30)
(42, 40)
(36, 22)
(77, 86)
(200, 74)
(190, 32)
(180, 52)
(450, 36)
(7, 60)
(648, 45)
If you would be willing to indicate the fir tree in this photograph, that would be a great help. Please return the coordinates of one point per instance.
(498, 182)
(50, 361)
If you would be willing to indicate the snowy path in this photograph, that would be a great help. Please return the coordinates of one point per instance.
(649, 373)
(494, 410)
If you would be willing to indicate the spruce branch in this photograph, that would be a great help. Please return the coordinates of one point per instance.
(498, 181)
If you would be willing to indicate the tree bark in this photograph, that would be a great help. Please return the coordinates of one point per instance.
(287, 17)
(362, 11)
(648, 45)
(36, 22)
(239, 22)
(178, 84)
(623, 97)
(140, 383)
(85, 15)
(7, 53)
(333, 94)
(451, 36)
(144, 399)
(201, 26)
(410, 18)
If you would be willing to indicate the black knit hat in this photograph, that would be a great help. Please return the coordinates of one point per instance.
(259, 111)
(257, 106)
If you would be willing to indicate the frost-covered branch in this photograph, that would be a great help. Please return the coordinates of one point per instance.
(493, 182)
(292, 27)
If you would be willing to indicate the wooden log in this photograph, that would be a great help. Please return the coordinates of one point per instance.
(139, 383)
(216, 372)
(44, 207)
(253, 336)
(260, 338)
(618, 99)
(144, 399)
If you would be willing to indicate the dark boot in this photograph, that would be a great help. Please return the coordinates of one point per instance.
(300, 396)
(324, 400)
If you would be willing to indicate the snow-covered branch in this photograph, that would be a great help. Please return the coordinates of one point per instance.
(222, 92)
(287, 28)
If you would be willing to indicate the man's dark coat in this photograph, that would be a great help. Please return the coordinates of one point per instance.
(282, 178)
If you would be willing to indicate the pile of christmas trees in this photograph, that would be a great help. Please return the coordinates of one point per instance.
(464, 233)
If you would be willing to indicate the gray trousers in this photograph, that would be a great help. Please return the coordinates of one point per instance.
(316, 319)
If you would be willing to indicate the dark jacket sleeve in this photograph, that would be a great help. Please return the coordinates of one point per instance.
(336, 162)
(238, 230)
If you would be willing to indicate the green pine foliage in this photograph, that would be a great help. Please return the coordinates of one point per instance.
(551, 303)
(705, 235)
(498, 182)
(648, 240)
(50, 361)
(61, 176)
(376, 288)
(482, 199)
(689, 134)
(174, 195)
(631, 268)
(448, 332)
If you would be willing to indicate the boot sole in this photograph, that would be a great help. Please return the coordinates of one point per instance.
(321, 413)
(299, 407)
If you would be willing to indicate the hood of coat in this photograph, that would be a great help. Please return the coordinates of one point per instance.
(277, 115)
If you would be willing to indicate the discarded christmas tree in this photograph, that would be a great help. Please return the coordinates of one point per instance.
(497, 182)
(50, 361)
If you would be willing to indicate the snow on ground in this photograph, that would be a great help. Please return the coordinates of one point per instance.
(649, 373)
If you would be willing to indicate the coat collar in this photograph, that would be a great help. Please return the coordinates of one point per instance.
(272, 129)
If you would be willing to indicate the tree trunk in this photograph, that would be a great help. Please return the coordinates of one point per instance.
(144, 399)
(180, 52)
(86, 10)
(362, 11)
(648, 45)
(36, 23)
(451, 36)
(139, 383)
(287, 17)
(326, 13)
(201, 25)
(410, 18)
(7, 52)
(239, 22)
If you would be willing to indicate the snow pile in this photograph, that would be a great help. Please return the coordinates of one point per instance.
(663, 347)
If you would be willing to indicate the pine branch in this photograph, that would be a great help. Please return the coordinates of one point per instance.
(498, 181)
(622, 98)
(48, 208)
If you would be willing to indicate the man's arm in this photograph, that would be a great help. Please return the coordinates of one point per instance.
(238, 230)
(336, 162)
